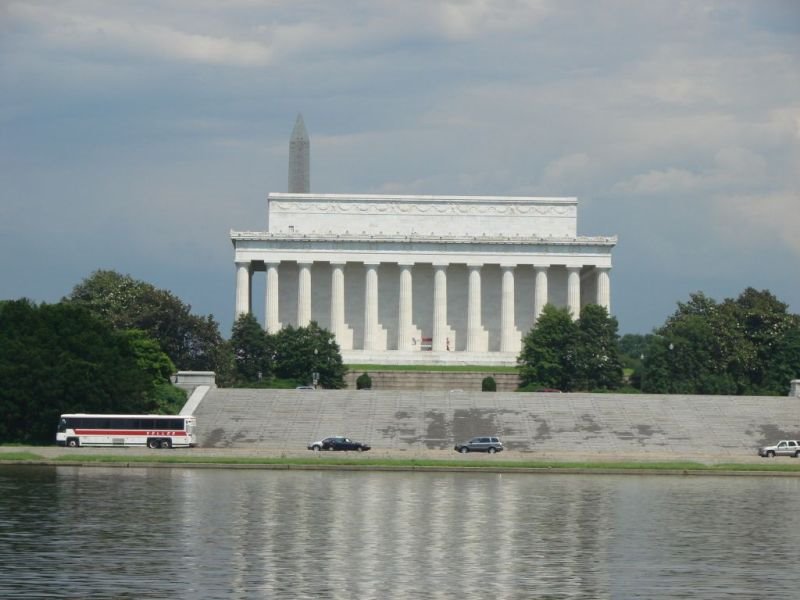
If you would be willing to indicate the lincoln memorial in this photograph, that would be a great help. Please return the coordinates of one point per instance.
(420, 279)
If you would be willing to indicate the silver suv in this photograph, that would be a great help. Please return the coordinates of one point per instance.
(782, 448)
(481, 444)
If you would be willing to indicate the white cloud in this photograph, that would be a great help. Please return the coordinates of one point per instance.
(738, 166)
(671, 180)
(90, 31)
(566, 167)
(679, 122)
(464, 19)
(757, 220)
(732, 167)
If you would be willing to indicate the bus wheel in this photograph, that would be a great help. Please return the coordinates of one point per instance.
(166, 444)
(73, 442)
(153, 443)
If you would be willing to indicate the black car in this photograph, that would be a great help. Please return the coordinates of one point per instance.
(338, 442)
(481, 444)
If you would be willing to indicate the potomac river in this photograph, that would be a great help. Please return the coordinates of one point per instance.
(144, 532)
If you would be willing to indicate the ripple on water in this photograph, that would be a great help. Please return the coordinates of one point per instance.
(71, 532)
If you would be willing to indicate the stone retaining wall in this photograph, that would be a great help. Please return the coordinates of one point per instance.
(545, 423)
(433, 380)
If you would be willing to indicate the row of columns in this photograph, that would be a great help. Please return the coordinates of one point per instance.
(374, 335)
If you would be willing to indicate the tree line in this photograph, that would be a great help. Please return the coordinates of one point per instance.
(113, 342)
(194, 343)
(293, 355)
(749, 345)
(60, 358)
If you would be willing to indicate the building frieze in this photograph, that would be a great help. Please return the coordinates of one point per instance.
(425, 208)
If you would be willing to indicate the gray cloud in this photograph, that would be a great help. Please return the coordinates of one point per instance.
(137, 134)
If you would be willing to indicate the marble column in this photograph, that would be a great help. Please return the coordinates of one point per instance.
(507, 342)
(540, 291)
(439, 341)
(271, 320)
(243, 276)
(337, 301)
(474, 326)
(574, 291)
(404, 319)
(371, 307)
(604, 288)
(304, 294)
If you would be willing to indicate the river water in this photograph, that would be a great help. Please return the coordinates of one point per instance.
(97, 532)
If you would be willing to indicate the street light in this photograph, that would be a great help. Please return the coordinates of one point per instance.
(315, 374)
(641, 380)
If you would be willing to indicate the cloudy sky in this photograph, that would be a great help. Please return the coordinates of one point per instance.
(135, 135)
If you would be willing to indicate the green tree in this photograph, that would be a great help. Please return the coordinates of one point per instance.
(598, 365)
(771, 333)
(166, 398)
(549, 353)
(222, 357)
(149, 355)
(364, 382)
(633, 345)
(632, 350)
(252, 350)
(59, 358)
(747, 345)
(686, 357)
(192, 342)
(301, 351)
(780, 366)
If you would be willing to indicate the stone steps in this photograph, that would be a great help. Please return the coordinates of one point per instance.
(405, 420)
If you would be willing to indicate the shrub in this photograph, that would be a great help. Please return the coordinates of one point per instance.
(488, 384)
(364, 382)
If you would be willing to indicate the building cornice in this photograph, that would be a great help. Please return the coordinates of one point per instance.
(402, 198)
(262, 236)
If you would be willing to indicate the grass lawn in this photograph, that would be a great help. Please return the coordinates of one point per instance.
(20, 456)
(442, 368)
(319, 461)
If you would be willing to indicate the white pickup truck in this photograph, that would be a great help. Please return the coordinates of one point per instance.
(782, 448)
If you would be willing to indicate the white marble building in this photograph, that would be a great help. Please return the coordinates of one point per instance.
(421, 279)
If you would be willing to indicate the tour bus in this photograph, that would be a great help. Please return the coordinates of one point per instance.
(153, 431)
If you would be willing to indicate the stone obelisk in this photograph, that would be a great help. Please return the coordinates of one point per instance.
(299, 159)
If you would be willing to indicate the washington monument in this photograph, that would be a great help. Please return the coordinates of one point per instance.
(299, 159)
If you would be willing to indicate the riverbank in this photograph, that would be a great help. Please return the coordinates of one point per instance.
(431, 460)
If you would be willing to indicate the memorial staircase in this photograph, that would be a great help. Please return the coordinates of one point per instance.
(552, 424)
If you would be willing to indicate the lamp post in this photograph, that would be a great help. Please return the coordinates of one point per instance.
(671, 367)
(641, 381)
(315, 373)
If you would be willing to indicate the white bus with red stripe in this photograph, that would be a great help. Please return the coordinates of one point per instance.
(153, 431)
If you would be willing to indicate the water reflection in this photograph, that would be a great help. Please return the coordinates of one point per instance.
(195, 533)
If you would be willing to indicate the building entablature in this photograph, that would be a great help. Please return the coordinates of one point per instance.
(268, 248)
